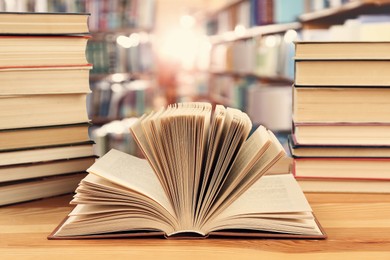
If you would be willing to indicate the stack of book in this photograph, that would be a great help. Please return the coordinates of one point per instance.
(44, 143)
(341, 116)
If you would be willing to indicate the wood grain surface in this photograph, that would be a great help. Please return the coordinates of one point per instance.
(358, 226)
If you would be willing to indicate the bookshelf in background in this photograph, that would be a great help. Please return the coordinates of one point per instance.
(326, 16)
(123, 79)
(251, 54)
(357, 20)
(250, 59)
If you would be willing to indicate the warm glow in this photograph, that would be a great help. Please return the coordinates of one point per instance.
(126, 42)
(290, 36)
(135, 39)
(143, 37)
(116, 87)
(270, 41)
(187, 21)
(118, 77)
(239, 30)
(180, 45)
(123, 41)
(185, 43)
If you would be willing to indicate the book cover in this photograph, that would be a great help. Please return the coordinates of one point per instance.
(342, 134)
(341, 105)
(337, 150)
(344, 186)
(43, 23)
(45, 136)
(342, 50)
(42, 110)
(44, 169)
(348, 168)
(340, 73)
(33, 155)
(38, 50)
(34, 80)
(38, 188)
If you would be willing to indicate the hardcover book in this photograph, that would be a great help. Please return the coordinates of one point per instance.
(38, 188)
(346, 168)
(40, 137)
(203, 176)
(343, 185)
(43, 23)
(337, 150)
(39, 50)
(45, 80)
(341, 105)
(343, 134)
(42, 110)
(337, 50)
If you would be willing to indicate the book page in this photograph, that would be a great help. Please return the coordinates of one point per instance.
(189, 127)
(215, 133)
(155, 139)
(133, 173)
(250, 152)
(235, 130)
(141, 138)
(277, 195)
(270, 194)
(241, 179)
(84, 225)
(175, 143)
(256, 145)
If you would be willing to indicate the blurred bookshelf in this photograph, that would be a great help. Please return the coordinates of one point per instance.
(250, 58)
(356, 20)
(339, 13)
(252, 48)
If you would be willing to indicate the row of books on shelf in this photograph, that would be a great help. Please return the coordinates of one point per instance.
(118, 14)
(45, 147)
(266, 104)
(114, 100)
(59, 6)
(341, 110)
(249, 13)
(368, 27)
(106, 15)
(115, 135)
(120, 54)
(241, 15)
(263, 56)
(318, 5)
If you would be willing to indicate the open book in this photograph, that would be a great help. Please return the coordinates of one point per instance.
(201, 178)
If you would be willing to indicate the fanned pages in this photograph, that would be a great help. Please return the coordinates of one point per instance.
(204, 175)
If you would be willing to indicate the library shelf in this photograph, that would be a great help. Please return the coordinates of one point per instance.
(337, 15)
(254, 32)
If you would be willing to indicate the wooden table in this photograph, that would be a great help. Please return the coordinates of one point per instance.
(358, 227)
